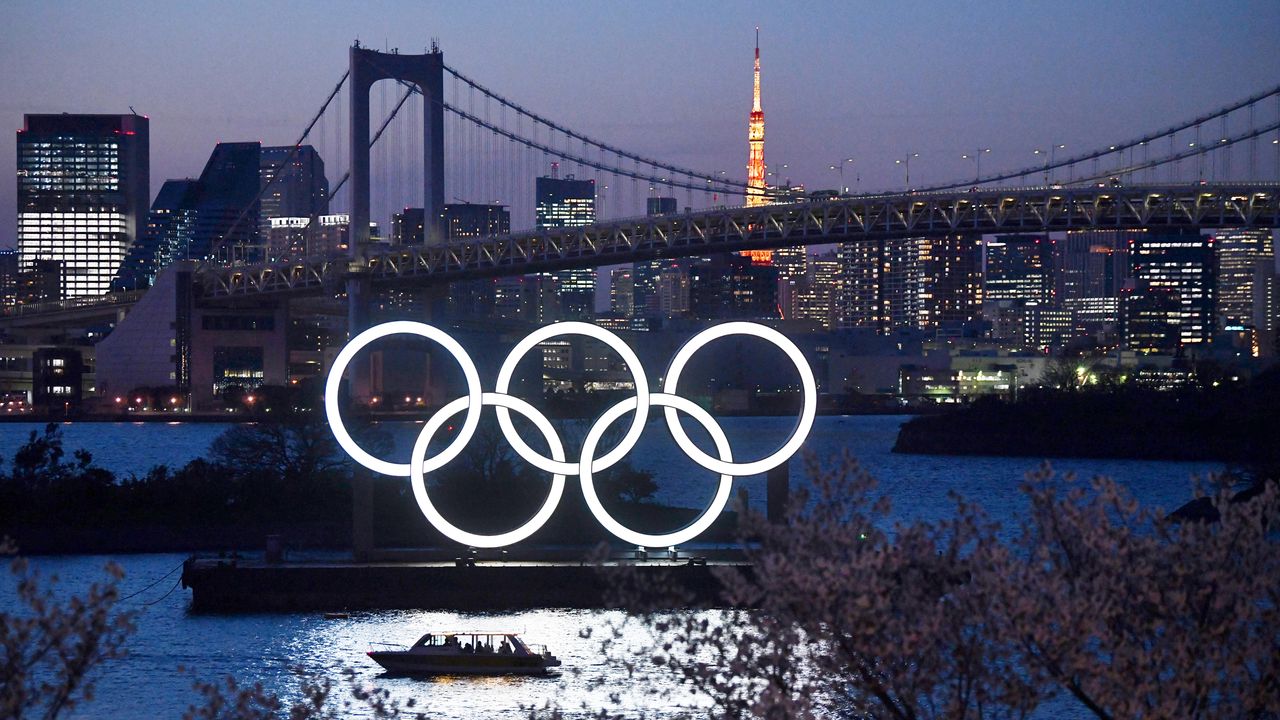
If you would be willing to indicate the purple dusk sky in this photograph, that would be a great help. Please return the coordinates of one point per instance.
(665, 79)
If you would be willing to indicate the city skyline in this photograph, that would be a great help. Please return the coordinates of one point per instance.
(936, 113)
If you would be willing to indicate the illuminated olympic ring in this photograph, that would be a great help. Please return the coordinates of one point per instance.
(588, 465)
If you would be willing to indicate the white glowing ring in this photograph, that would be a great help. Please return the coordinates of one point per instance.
(448, 529)
(622, 532)
(401, 327)
(807, 412)
(628, 355)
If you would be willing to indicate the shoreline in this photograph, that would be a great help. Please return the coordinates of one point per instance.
(172, 418)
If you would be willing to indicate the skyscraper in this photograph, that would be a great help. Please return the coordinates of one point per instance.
(792, 264)
(569, 202)
(407, 227)
(227, 204)
(1019, 268)
(729, 286)
(1091, 263)
(300, 188)
(622, 292)
(467, 298)
(953, 280)
(1244, 258)
(473, 220)
(1173, 289)
(881, 284)
(816, 300)
(83, 186)
(169, 235)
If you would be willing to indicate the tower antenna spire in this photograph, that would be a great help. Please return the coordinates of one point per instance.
(755, 195)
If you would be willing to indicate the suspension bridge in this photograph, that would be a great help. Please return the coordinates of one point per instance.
(444, 134)
(1180, 176)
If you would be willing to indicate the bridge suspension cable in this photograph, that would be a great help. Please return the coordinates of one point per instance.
(1190, 152)
(293, 153)
(391, 116)
(709, 184)
(1145, 140)
(675, 169)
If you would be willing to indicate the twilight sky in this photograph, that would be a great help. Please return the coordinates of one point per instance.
(666, 79)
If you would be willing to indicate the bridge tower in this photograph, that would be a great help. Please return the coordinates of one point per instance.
(426, 72)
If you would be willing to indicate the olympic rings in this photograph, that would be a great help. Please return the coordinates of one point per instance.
(807, 412)
(694, 529)
(401, 327)
(420, 464)
(637, 374)
(452, 531)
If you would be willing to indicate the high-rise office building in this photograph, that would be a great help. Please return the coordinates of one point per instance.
(882, 283)
(731, 286)
(472, 220)
(8, 278)
(83, 186)
(227, 207)
(816, 301)
(1019, 268)
(792, 264)
(461, 221)
(1245, 259)
(569, 202)
(214, 217)
(169, 235)
(646, 305)
(1091, 263)
(622, 292)
(407, 227)
(953, 280)
(1173, 291)
(300, 188)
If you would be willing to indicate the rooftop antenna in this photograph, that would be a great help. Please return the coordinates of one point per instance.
(135, 112)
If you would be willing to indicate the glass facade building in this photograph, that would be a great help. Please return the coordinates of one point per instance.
(300, 188)
(1174, 289)
(83, 187)
(1245, 267)
(569, 202)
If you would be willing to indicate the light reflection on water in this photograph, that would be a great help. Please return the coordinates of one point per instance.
(273, 648)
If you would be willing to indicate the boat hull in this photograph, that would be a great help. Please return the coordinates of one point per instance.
(407, 663)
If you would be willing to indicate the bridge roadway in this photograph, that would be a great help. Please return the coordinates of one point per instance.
(863, 217)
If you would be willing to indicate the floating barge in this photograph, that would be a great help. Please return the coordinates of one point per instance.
(469, 584)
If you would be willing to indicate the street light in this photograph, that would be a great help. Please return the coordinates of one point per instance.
(906, 166)
(976, 157)
(1049, 158)
(839, 167)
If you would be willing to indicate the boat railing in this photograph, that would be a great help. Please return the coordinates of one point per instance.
(394, 646)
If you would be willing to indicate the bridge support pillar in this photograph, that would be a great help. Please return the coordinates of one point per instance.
(361, 514)
(777, 493)
(360, 373)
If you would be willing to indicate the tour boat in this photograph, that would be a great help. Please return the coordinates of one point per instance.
(465, 653)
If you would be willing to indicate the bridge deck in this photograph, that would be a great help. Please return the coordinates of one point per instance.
(865, 217)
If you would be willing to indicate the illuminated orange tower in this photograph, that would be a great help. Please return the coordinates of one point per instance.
(755, 158)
